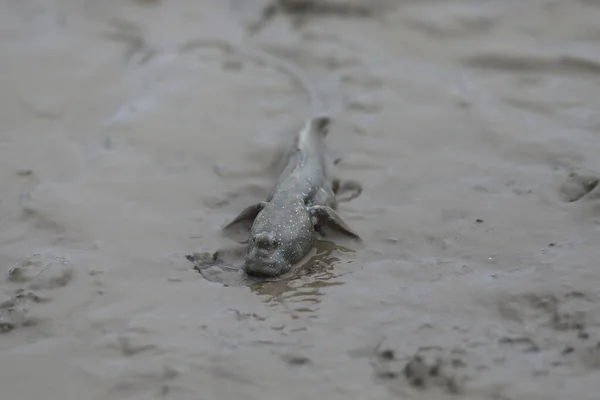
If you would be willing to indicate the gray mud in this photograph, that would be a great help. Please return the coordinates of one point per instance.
(126, 143)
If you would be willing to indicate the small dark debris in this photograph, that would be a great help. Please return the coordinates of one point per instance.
(453, 387)
(540, 373)
(417, 382)
(295, 360)
(458, 363)
(303, 7)
(202, 257)
(551, 244)
(24, 172)
(413, 371)
(479, 220)
(164, 390)
(389, 375)
(568, 350)
(233, 65)
(428, 348)
(387, 355)
(458, 351)
(241, 316)
(530, 346)
(583, 335)
(434, 371)
(148, 2)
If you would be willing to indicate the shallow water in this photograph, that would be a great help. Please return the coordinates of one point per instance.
(125, 144)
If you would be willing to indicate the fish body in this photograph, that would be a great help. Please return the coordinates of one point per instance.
(284, 227)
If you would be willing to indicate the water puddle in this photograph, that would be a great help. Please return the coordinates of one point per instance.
(225, 267)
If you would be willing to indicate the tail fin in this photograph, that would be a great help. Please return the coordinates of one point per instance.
(317, 126)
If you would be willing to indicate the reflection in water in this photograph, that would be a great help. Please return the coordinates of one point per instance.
(301, 285)
(317, 269)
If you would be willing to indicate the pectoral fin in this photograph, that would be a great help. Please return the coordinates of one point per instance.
(239, 228)
(327, 217)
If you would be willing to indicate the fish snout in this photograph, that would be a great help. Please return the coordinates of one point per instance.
(261, 261)
(258, 267)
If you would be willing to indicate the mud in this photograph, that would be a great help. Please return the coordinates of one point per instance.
(127, 141)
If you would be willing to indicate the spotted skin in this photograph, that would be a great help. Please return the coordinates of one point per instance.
(283, 228)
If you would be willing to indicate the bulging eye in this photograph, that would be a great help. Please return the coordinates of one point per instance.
(265, 241)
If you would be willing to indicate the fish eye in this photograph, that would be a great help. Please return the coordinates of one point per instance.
(265, 241)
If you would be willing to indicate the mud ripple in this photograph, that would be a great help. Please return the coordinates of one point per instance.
(560, 64)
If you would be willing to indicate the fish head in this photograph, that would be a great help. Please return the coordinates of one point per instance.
(273, 252)
(264, 256)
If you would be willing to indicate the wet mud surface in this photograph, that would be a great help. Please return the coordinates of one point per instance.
(132, 131)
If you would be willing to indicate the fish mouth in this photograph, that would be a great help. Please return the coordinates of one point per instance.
(262, 269)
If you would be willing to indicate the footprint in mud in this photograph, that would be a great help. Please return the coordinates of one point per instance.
(565, 312)
(15, 310)
(428, 368)
(42, 272)
(578, 186)
(37, 273)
